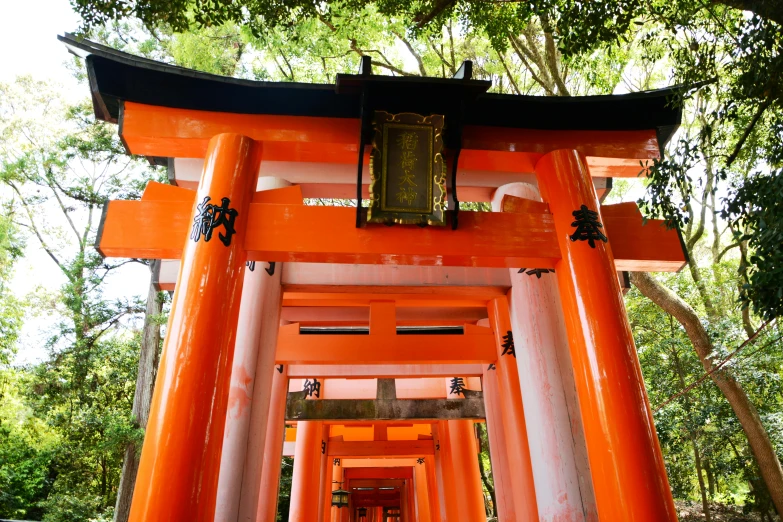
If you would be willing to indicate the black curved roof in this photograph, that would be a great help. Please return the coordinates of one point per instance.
(116, 76)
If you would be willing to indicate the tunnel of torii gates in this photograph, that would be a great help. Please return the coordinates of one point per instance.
(368, 352)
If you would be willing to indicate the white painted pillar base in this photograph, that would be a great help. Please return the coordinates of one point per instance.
(558, 453)
(248, 401)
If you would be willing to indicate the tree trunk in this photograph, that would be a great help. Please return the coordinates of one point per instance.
(485, 480)
(710, 478)
(697, 459)
(145, 383)
(746, 413)
(691, 435)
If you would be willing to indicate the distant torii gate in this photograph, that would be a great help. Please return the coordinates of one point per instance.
(368, 352)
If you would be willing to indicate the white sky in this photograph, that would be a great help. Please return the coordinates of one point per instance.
(28, 45)
(28, 39)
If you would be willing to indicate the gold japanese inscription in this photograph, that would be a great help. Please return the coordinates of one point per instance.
(407, 170)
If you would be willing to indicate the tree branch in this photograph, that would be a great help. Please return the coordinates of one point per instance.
(532, 44)
(413, 52)
(520, 51)
(37, 233)
(719, 365)
(423, 19)
(280, 68)
(770, 9)
(288, 64)
(392, 68)
(451, 47)
(550, 53)
(53, 186)
(738, 147)
(725, 251)
(508, 72)
(442, 57)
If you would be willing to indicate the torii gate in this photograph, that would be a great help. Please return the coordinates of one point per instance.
(384, 345)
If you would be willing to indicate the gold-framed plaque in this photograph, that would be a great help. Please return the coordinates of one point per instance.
(407, 171)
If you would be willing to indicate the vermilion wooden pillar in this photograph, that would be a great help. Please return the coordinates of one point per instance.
(498, 449)
(180, 460)
(325, 480)
(626, 464)
(555, 435)
(273, 449)
(444, 471)
(337, 483)
(467, 478)
(305, 483)
(251, 386)
(404, 503)
(422, 497)
(513, 414)
(432, 490)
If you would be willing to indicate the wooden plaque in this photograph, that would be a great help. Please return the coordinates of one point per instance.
(407, 171)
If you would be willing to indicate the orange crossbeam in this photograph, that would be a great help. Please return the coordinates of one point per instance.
(158, 230)
(183, 133)
(412, 448)
(403, 296)
(476, 345)
(154, 229)
(378, 473)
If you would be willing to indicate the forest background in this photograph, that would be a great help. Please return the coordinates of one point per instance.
(72, 418)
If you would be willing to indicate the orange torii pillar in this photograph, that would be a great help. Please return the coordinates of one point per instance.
(306, 480)
(180, 460)
(306, 488)
(464, 455)
(337, 483)
(432, 489)
(498, 449)
(626, 464)
(273, 449)
(421, 497)
(404, 503)
(325, 472)
(464, 460)
(254, 354)
(555, 435)
(444, 472)
(513, 414)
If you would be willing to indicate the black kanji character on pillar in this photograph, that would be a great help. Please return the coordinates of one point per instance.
(491, 366)
(251, 265)
(587, 226)
(420, 460)
(457, 386)
(209, 217)
(336, 462)
(323, 447)
(279, 368)
(508, 344)
(312, 388)
(536, 271)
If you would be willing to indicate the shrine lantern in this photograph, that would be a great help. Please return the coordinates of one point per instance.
(340, 498)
